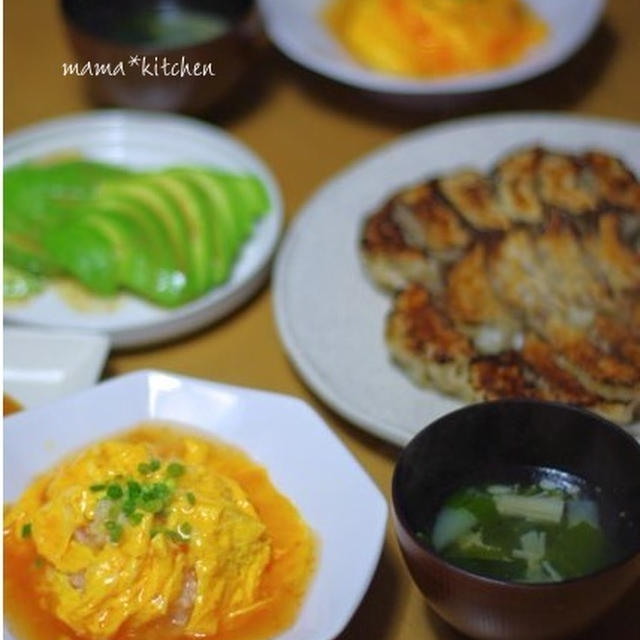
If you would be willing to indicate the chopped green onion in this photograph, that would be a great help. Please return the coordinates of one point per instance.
(175, 470)
(154, 465)
(115, 530)
(98, 487)
(191, 498)
(144, 468)
(114, 492)
(174, 536)
(152, 506)
(26, 530)
(133, 489)
(128, 506)
(184, 531)
(135, 518)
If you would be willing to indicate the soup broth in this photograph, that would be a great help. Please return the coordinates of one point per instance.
(526, 532)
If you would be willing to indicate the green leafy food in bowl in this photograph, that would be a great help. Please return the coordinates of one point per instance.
(532, 533)
(168, 236)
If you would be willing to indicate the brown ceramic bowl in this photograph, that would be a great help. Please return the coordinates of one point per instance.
(510, 441)
(169, 37)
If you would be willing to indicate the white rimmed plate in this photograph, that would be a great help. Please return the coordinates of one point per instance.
(147, 140)
(40, 366)
(305, 461)
(330, 315)
(296, 28)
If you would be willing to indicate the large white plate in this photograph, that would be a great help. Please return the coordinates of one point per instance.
(305, 461)
(147, 140)
(40, 366)
(296, 28)
(331, 317)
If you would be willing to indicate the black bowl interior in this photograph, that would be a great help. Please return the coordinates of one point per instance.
(522, 441)
(124, 20)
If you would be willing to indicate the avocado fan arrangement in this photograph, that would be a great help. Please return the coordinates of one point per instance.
(167, 236)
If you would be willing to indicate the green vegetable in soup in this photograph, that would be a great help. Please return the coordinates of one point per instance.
(533, 533)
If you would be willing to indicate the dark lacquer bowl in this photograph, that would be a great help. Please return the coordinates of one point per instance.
(190, 53)
(510, 441)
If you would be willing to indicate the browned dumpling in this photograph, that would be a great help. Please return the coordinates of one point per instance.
(521, 282)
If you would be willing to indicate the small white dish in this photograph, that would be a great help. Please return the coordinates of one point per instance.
(141, 140)
(296, 27)
(305, 461)
(40, 366)
(329, 313)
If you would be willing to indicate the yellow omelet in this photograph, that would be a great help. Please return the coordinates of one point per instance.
(431, 38)
(128, 536)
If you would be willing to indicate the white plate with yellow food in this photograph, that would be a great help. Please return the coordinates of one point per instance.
(155, 501)
(422, 48)
(348, 338)
(40, 366)
(143, 226)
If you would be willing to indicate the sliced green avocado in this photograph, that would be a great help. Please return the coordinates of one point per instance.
(86, 253)
(167, 283)
(249, 193)
(36, 195)
(140, 268)
(19, 284)
(170, 223)
(199, 228)
(223, 239)
(234, 224)
(26, 252)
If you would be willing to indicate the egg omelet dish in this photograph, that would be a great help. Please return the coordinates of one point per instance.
(155, 530)
(431, 38)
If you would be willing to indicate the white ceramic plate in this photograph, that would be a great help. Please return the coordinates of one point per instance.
(305, 461)
(40, 366)
(147, 140)
(295, 27)
(331, 317)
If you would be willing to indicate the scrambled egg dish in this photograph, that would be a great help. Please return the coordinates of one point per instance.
(433, 38)
(156, 530)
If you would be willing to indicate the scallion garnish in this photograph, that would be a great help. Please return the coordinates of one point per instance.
(26, 530)
(175, 470)
(114, 492)
(184, 531)
(114, 530)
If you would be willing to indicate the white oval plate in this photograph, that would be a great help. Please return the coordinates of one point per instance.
(305, 461)
(330, 315)
(147, 140)
(296, 28)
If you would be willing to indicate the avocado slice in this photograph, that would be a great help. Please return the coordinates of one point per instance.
(199, 229)
(142, 268)
(86, 253)
(249, 193)
(19, 284)
(168, 286)
(25, 252)
(138, 192)
(221, 204)
(224, 241)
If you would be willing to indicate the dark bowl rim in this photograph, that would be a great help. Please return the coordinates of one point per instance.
(399, 519)
(235, 29)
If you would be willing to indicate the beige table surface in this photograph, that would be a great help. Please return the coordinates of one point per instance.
(307, 128)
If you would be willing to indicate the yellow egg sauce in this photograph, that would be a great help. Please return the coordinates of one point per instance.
(435, 38)
(157, 533)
